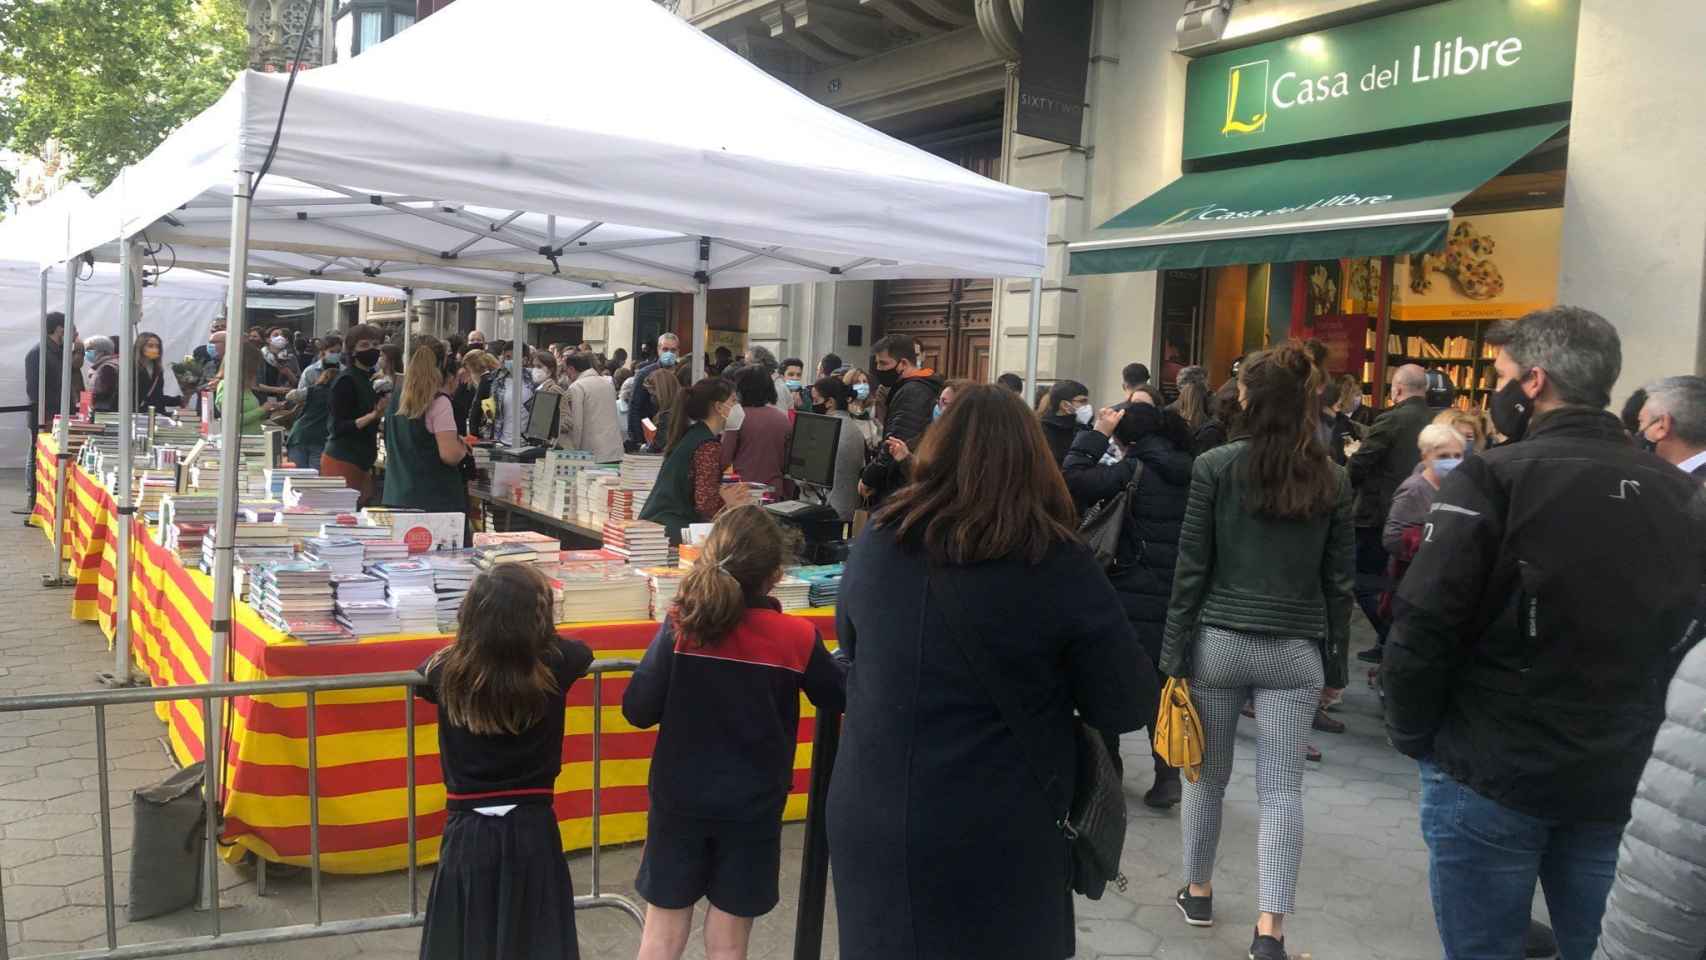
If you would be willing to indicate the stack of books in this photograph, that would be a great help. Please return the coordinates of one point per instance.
(688, 554)
(383, 551)
(288, 594)
(255, 543)
(320, 493)
(368, 618)
(624, 595)
(305, 522)
(592, 494)
(259, 511)
(358, 587)
(409, 590)
(453, 572)
(341, 554)
(792, 593)
(666, 583)
(545, 547)
(494, 554)
(825, 582)
(151, 488)
(184, 540)
(640, 542)
(277, 477)
(552, 489)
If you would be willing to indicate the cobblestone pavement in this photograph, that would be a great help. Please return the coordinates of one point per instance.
(1362, 893)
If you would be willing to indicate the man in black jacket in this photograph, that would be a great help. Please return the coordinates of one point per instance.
(44, 409)
(1672, 423)
(911, 407)
(644, 406)
(1533, 642)
(1386, 458)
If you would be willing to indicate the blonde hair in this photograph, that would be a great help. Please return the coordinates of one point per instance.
(1438, 436)
(424, 378)
(1475, 420)
(479, 362)
(740, 559)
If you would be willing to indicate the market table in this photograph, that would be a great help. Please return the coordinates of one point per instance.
(361, 749)
(563, 529)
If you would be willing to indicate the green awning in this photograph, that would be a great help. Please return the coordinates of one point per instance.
(547, 310)
(1367, 203)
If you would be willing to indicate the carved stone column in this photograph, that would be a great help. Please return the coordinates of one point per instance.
(275, 28)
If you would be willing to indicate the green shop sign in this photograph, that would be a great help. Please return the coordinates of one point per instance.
(1446, 61)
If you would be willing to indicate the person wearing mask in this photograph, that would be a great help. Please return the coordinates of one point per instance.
(1443, 450)
(307, 439)
(1346, 427)
(306, 351)
(214, 369)
(1654, 910)
(44, 396)
(478, 367)
(1471, 425)
(1069, 412)
(591, 423)
(830, 363)
(725, 641)
(255, 408)
(1631, 413)
(978, 556)
(208, 353)
(1264, 579)
(279, 372)
(830, 397)
(758, 451)
(1013, 382)
(1385, 457)
(790, 383)
(1157, 454)
(542, 374)
(1531, 637)
(389, 375)
(690, 486)
(1351, 403)
(331, 352)
(423, 452)
(619, 359)
(912, 393)
(644, 404)
(1672, 423)
(1135, 375)
(352, 445)
(860, 407)
(503, 395)
(151, 373)
(476, 340)
(102, 363)
(464, 389)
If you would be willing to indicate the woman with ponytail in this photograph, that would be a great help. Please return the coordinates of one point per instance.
(689, 488)
(422, 449)
(724, 678)
(1263, 585)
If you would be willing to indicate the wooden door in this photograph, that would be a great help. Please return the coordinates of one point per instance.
(949, 319)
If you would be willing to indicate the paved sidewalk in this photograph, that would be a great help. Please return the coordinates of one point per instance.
(1362, 893)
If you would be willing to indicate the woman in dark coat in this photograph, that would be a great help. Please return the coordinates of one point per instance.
(1158, 442)
(1064, 413)
(941, 839)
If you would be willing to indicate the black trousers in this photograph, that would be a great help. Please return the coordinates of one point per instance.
(30, 465)
(1371, 578)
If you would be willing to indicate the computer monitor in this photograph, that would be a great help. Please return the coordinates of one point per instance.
(544, 414)
(812, 448)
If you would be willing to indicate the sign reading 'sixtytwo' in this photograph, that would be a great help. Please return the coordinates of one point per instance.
(1447, 61)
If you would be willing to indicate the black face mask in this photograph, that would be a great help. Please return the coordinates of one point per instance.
(886, 378)
(1511, 411)
(367, 358)
(820, 408)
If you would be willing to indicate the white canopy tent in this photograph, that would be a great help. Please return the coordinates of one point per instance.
(678, 166)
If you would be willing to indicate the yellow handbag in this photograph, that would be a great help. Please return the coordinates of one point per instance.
(1178, 729)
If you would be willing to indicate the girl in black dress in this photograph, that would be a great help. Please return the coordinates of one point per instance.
(502, 888)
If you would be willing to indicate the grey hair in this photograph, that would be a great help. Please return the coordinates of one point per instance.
(1411, 377)
(1194, 374)
(761, 356)
(671, 337)
(1684, 399)
(101, 345)
(1579, 350)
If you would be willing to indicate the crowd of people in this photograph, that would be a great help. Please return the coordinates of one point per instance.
(1533, 575)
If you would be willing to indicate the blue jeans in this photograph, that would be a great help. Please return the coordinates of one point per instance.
(1484, 859)
(306, 455)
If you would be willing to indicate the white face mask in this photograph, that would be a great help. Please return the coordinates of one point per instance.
(540, 375)
(1085, 414)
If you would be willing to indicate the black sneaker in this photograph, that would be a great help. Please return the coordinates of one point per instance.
(1540, 944)
(1267, 948)
(1371, 655)
(1198, 911)
(1164, 795)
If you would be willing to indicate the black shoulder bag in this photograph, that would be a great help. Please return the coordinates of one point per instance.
(1100, 528)
(1093, 819)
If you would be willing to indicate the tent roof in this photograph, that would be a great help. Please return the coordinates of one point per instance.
(609, 131)
(38, 234)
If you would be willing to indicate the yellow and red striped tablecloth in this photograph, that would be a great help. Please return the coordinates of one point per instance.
(362, 758)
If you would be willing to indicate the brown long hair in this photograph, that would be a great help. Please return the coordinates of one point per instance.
(736, 569)
(424, 379)
(494, 678)
(1289, 474)
(694, 404)
(984, 484)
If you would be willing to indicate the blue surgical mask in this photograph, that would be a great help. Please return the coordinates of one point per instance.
(936, 413)
(667, 358)
(213, 349)
(89, 357)
(793, 385)
(509, 365)
(862, 390)
(333, 358)
(1445, 465)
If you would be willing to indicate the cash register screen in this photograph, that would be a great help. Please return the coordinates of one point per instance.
(539, 421)
(811, 449)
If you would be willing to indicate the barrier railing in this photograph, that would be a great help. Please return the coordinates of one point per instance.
(210, 694)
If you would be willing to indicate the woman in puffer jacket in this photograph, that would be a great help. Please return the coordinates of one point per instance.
(1657, 908)
(1159, 443)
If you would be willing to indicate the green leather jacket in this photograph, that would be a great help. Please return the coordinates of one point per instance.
(1240, 571)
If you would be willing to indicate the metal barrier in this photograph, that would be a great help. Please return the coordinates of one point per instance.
(210, 694)
(814, 862)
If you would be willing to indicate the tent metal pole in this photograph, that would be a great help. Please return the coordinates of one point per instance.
(518, 366)
(62, 452)
(1033, 338)
(130, 308)
(408, 333)
(230, 469)
(701, 304)
(38, 403)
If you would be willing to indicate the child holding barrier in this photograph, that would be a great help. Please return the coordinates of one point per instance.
(502, 887)
(723, 677)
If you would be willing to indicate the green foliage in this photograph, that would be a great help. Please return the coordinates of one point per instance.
(109, 79)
